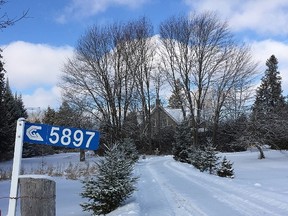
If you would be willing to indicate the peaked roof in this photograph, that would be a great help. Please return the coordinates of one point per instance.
(175, 114)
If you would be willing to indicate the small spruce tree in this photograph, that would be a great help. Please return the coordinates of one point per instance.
(206, 159)
(225, 169)
(211, 157)
(183, 142)
(129, 149)
(113, 184)
(196, 158)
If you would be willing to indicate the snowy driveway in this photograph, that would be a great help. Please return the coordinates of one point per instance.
(170, 188)
(167, 188)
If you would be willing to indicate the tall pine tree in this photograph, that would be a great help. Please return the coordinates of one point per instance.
(268, 119)
(4, 143)
(49, 116)
(6, 118)
(176, 100)
(11, 108)
(269, 96)
(11, 118)
(20, 110)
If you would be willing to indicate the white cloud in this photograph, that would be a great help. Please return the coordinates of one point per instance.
(43, 98)
(78, 9)
(34, 71)
(262, 50)
(30, 65)
(268, 17)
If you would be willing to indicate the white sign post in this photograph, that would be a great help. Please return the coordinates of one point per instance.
(49, 135)
(16, 166)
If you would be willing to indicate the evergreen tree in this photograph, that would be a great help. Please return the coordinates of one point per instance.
(229, 133)
(67, 116)
(113, 184)
(131, 126)
(205, 159)
(225, 169)
(269, 118)
(20, 108)
(14, 104)
(269, 96)
(4, 141)
(176, 100)
(12, 108)
(129, 150)
(183, 142)
(11, 118)
(6, 145)
(197, 158)
(210, 158)
(15, 109)
(49, 116)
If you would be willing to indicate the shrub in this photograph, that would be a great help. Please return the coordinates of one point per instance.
(206, 159)
(225, 169)
(129, 149)
(210, 158)
(183, 142)
(113, 184)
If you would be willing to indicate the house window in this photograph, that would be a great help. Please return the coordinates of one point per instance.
(167, 122)
(164, 122)
(153, 123)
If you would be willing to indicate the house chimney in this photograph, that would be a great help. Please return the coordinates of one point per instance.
(158, 102)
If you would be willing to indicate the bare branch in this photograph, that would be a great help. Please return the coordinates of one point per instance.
(6, 21)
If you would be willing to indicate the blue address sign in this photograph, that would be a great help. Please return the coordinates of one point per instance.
(61, 136)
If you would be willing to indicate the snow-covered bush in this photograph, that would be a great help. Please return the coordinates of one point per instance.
(129, 148)
(211, 159)
(206, 159)
(183, 142)
(113, 184)
(225, 169)
(196, 158)
(5, 174)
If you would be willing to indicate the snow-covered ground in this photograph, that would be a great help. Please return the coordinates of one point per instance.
(167, 187)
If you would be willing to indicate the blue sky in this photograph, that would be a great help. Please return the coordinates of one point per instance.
(36, 48)
(62, 22)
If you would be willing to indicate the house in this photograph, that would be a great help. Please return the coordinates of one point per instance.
(164, 117)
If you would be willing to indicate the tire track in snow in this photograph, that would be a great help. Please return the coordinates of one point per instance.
(152, 201)
(156, 189)
(180, 202)
(247, 206)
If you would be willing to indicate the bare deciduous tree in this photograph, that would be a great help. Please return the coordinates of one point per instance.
(143, 75)
(108, 64)
(200, 51)
(236, 74)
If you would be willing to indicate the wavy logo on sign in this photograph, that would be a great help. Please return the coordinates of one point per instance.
(32, 133)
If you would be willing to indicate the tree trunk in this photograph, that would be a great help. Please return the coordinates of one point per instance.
(261, 153)
(82, 155)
